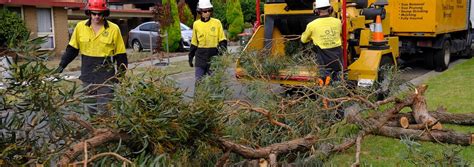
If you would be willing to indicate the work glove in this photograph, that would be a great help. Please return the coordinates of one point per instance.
(222, 47)
(192, 51)
(59, 70)
(191, 63)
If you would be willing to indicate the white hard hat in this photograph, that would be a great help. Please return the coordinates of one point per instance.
(321, 4)
(204, 4)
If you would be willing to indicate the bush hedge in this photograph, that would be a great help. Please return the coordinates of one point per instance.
(185, 15)
(174, 30)
(235, 18)
(13, 28)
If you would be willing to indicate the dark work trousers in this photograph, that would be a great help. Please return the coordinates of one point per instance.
(330, 65)
(330, 61)
(100, 96)
(200, 72)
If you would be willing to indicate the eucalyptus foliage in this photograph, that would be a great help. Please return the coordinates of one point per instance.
(32, 108)
(163, 126)
(450, 156)
(262, 64)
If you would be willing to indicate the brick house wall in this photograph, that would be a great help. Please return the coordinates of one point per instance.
(61, 35)
(29, 14)
(60, 25)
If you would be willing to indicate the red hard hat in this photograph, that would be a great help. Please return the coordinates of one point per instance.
(97, 5)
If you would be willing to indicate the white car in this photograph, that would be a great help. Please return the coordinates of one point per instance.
(139, 37)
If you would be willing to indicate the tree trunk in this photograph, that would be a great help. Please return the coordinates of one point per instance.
(445, 117)
(441, 115)
(433, 135)
(420, 112)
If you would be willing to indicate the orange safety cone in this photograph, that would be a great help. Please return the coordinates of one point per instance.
(377, 35)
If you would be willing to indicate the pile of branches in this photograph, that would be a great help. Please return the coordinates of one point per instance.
(258, 64)
(384, 119)
(44, 122)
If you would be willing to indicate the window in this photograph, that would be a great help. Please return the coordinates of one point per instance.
(116, 7)
(44, 17)
(148, 27)
(154, 27)
(17, 10)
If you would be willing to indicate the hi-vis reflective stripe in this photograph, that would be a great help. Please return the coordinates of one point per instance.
(377, 35)
(378, 27)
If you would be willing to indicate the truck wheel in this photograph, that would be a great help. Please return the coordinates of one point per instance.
(428, 58)
(442, 57)
(467, 52)
(384, 79)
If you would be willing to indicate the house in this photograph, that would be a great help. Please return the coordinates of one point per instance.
(45, 18)
(51, 17)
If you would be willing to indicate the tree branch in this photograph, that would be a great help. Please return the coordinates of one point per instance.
(93, 158)
(75, 118)
(223, 160)
(358, 147)
(278, 148)
(95, 141)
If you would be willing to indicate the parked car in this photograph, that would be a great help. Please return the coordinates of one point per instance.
(139, 37)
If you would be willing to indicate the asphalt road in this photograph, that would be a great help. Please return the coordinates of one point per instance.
(410, 71)
(413, 72)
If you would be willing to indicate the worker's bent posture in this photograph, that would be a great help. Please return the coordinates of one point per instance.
(325, 32)
(208, 40)
(100, 43)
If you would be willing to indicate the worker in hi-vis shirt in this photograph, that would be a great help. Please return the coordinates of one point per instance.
(208, 40)
(325, 32)
(101, 45)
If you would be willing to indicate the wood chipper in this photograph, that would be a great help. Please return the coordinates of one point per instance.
(363, 56)
(430, 30)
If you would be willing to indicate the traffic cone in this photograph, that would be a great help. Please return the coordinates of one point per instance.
(377, 35)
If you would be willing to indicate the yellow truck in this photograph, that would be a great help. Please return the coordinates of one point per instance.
(434, 30)
(429, 29)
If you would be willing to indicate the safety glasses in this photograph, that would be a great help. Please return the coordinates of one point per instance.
(101, 14)
(206, 10)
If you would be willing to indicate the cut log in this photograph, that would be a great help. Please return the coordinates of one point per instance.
(418, 126)
(445, 117)
(420, 112)
(404, 122)
(448, 137)
(442, 116)
(393, 123)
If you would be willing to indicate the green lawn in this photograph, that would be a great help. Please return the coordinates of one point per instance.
(173, 68)
(453, 89)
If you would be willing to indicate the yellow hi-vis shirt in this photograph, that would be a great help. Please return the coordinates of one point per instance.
(108, 42)
(325, 32)
(207, 34)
